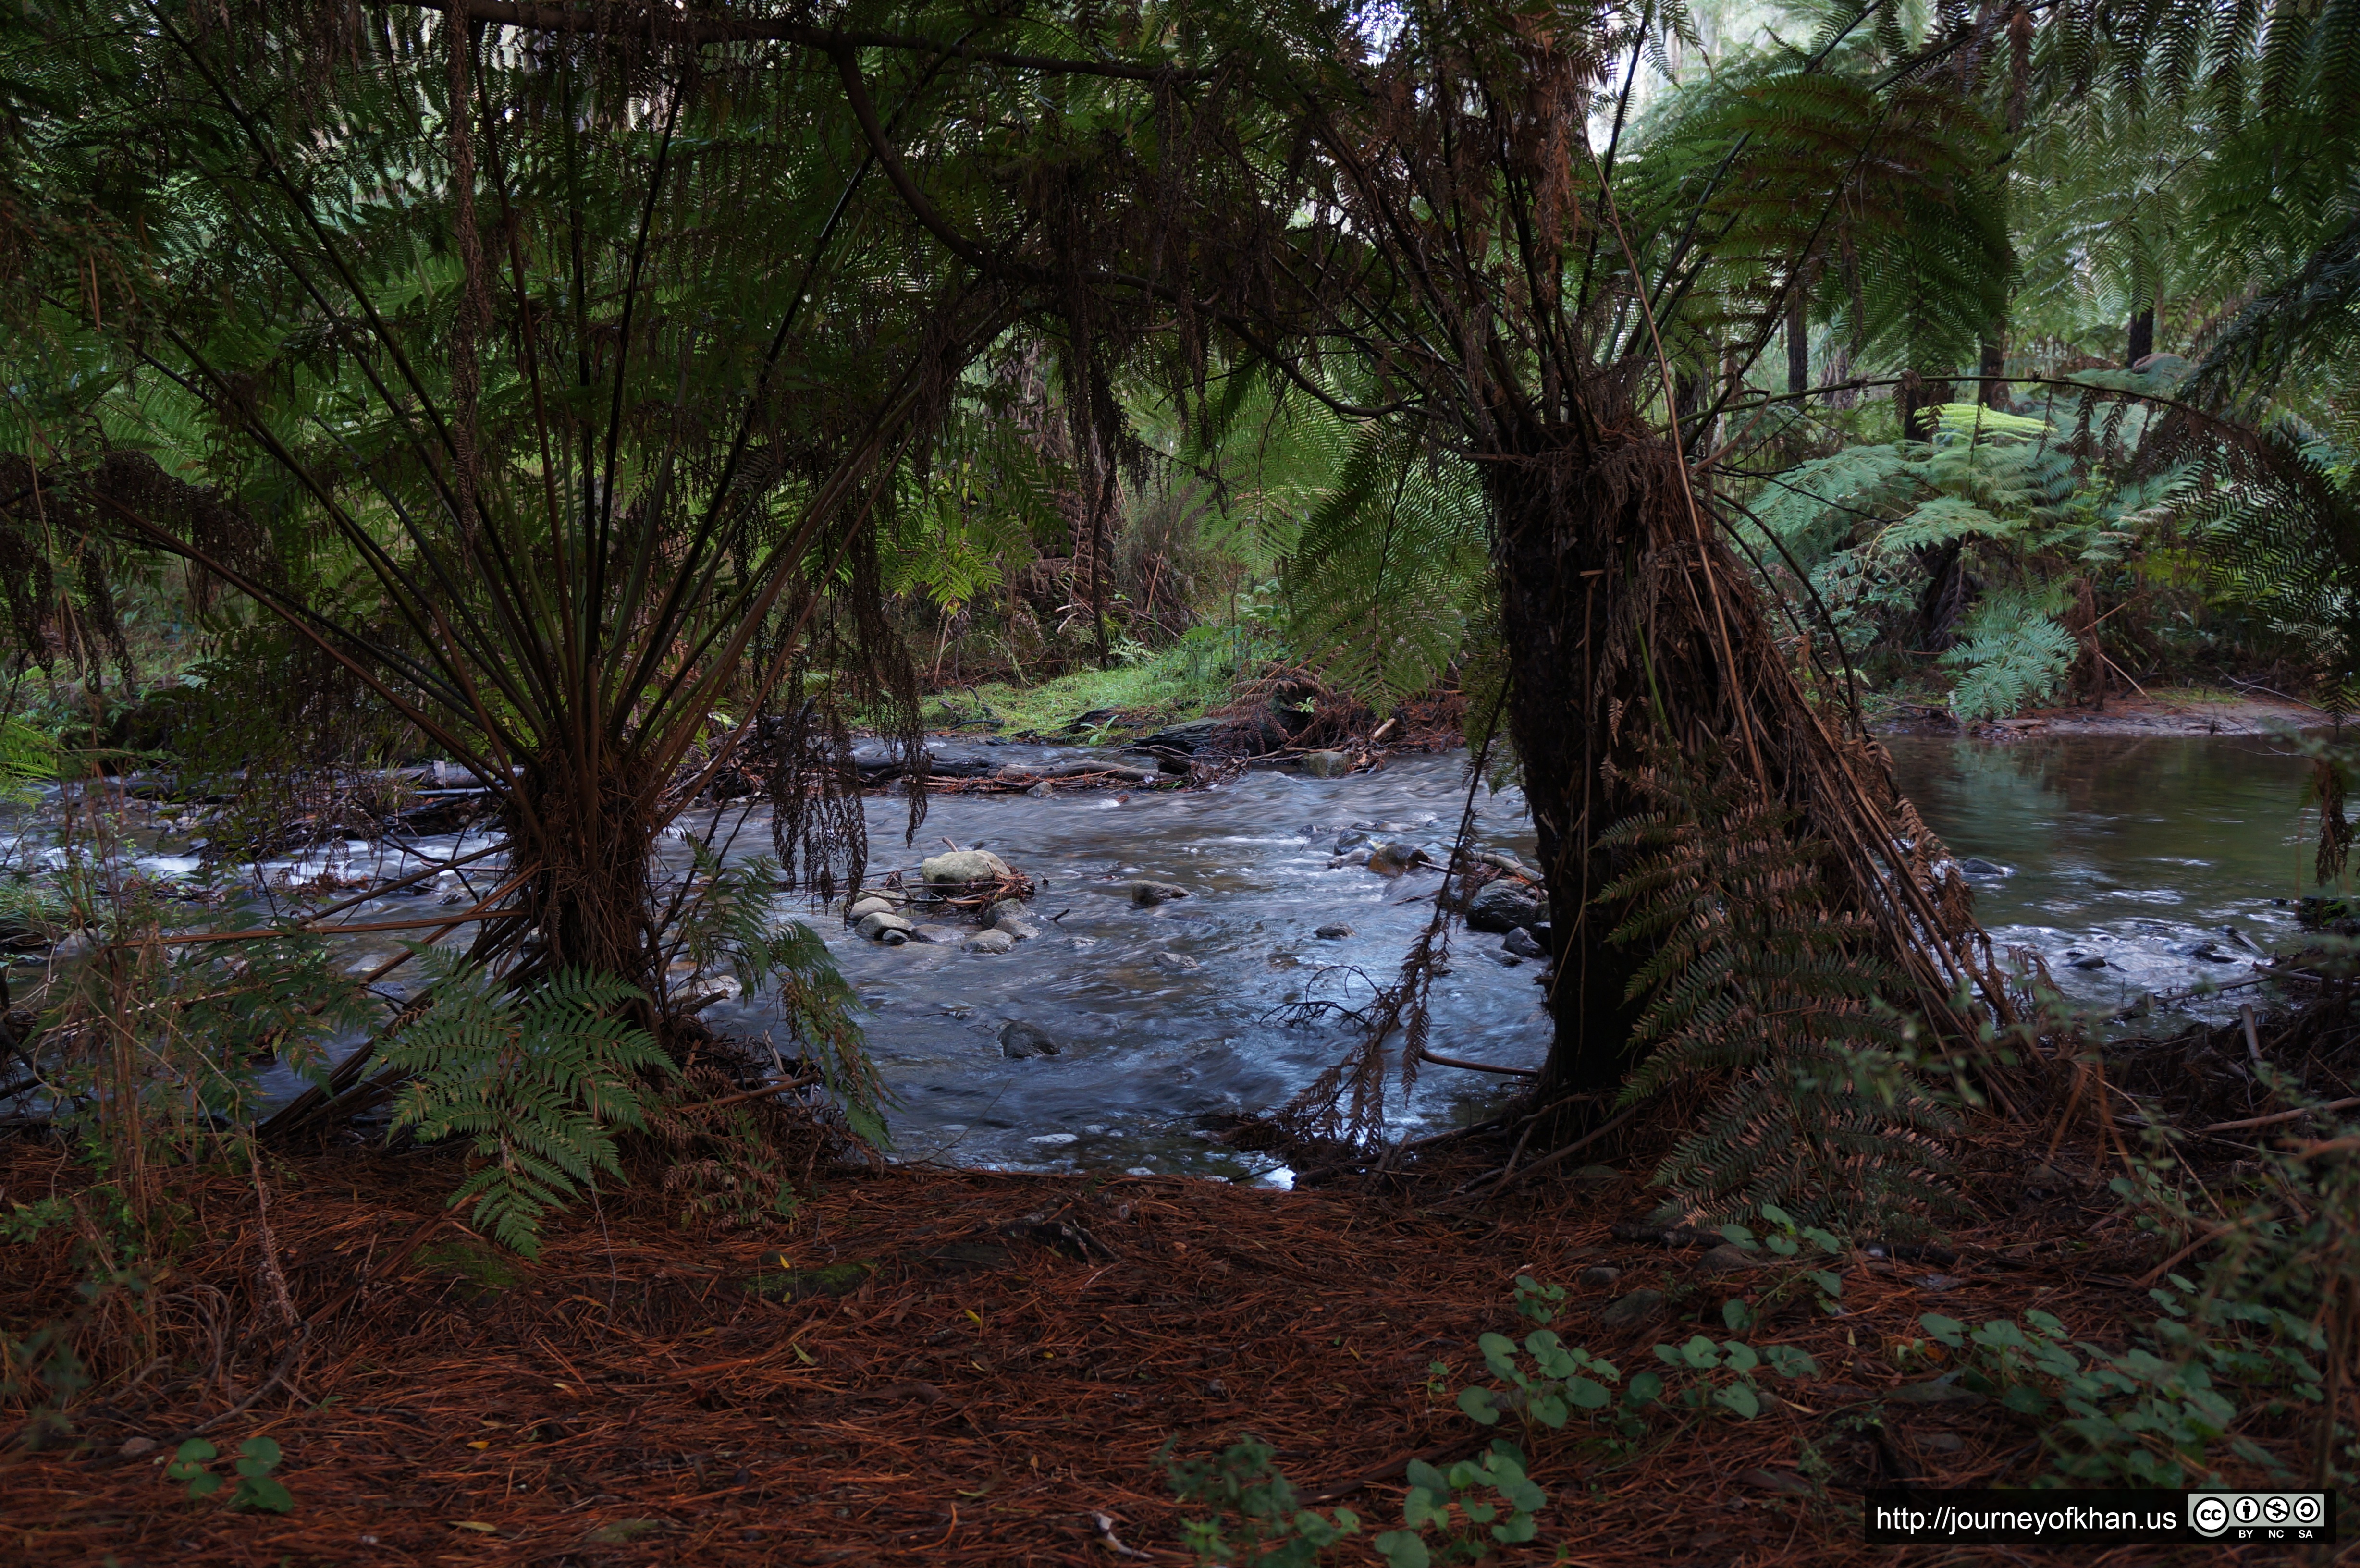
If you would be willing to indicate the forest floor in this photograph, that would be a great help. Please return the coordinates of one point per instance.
(1006, 1360)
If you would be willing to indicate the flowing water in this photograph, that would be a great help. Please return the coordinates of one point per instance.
(2160, 864)
(2168, 860)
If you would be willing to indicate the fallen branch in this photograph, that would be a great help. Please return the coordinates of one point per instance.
(2275, 1117)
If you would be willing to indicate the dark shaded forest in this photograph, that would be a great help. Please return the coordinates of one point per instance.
(524, 529)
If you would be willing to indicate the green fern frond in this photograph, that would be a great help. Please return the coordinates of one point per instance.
(533, 1079)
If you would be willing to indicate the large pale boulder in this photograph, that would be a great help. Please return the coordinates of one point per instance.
(961, 866)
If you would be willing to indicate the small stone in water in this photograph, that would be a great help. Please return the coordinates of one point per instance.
(1041, 790)
(1020, 1040)
(892, 938)
(1178, 962)
(1334, 933)
(991, 942)
(1095, 1130)
(2092, 962)
(941, 936)
(1351, 838)
(1155, 892)
(1054, 1138)
(1976, 865)
(1520, 942)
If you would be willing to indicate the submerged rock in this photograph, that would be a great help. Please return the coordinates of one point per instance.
(1020, 1039)
(939, 935)
(1178, 962)
(1015, 927)
(1351, 838)
(1976, 865)
(1503, 906)
(1144, 893)
(991, 942)
(961, 866)
(1333, 934)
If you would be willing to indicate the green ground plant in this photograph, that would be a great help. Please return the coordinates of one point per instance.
(257, 1487)
(535, 1080)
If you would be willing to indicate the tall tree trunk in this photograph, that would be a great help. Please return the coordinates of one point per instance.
(2141, 337)
(1994, 364)
(1799, 343)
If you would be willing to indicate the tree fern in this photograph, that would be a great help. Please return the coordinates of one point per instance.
(534, 1078)
(2013, 655)
(1759, 989)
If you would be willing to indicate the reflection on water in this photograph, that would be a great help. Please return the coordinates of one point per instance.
(2169, 859)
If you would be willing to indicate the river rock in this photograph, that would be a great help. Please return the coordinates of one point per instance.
(2090, 961)
(1522, 943)
(991, 942)
(1349, 857)
(1637, 1308)
(993, 914)
(1976, 865)
(1327, 763)
(1041, 790)
(1144, 893)
(892, 938)
(1392, 858)
(939, 935)
(1351, 838)
(961, 866)
(1178, 962)
(1015, 927)
(871, 905)
(877, 924)
(1333, 934)
(1503, 906)
(1020, 1039)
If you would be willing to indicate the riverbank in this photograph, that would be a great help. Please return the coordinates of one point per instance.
(2172, 711)
(951, 1367)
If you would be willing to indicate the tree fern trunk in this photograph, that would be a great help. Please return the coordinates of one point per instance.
(1627, 623)
(2141, 337)
(584, 844)
(1572, 539)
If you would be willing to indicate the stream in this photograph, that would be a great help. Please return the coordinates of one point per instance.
(2134, 865)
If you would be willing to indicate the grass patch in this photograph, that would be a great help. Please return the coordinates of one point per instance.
(1140, 693)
